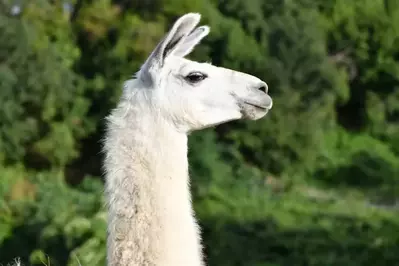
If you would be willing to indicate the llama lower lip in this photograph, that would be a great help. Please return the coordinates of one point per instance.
(257, 106)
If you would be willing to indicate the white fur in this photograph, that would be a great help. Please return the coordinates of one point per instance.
(151, 220)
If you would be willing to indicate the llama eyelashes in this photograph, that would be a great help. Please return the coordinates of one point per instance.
(195, 77)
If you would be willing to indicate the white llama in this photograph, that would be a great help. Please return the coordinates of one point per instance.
(151, 220)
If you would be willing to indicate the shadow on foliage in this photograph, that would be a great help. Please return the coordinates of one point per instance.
(345, 241)
(364, 170)
(26, 239)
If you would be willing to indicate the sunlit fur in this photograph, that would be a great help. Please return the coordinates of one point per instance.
(151, 220)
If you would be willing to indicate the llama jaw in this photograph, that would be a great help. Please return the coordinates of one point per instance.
(255, 108)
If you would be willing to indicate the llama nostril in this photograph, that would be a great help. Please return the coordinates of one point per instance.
(263, 87)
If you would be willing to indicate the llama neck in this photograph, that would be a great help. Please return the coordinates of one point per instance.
(147, 188)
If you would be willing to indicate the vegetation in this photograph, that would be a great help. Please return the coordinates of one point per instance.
(314, 183)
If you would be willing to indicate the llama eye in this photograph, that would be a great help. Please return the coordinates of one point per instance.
(195, 77)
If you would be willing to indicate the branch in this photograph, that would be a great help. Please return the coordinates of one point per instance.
(76, 10)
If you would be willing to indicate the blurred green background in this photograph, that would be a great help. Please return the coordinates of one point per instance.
(314, 183)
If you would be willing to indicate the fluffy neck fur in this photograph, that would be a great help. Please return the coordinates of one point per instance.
(151, 220)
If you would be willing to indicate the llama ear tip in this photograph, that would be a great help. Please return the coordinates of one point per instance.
(192, 16)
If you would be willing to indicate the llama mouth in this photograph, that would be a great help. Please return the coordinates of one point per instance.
(264, 108)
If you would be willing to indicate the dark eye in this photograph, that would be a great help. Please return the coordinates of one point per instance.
(195, 77)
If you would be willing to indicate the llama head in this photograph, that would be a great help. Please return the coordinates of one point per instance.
(193, 95)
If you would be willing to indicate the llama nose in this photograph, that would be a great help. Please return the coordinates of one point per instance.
(262, 86)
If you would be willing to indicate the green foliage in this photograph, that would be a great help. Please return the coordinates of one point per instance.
(314, 183)
(47, 218)
(295, 231)
(364, 37)
(43, 110)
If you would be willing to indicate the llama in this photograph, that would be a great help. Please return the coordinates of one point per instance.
(150, 217)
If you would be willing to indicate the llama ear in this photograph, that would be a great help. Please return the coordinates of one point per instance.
(180, 30)
(188, 44)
